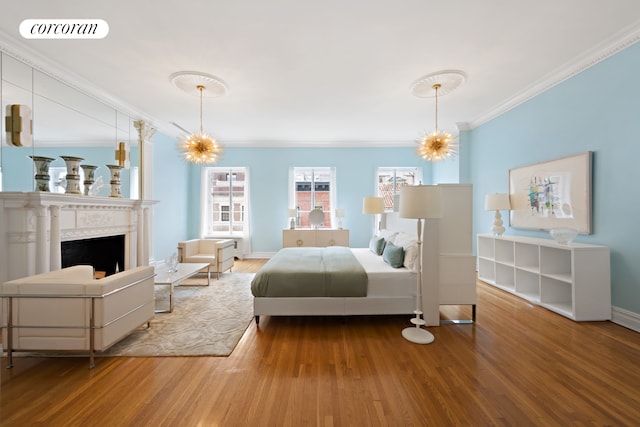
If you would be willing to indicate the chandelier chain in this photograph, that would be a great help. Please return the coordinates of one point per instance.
(436, 87)
(201, 88)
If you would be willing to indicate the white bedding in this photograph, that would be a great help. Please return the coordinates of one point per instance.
(384, 280)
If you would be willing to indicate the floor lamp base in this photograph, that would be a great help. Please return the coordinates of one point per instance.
(418, 335)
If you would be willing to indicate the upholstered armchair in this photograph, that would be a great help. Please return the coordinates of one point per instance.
(218, 253)
(68, 309)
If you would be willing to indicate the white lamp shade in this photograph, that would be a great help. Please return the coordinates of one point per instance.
(373, 205)
(339, 213)
(497, 202)
(293, 213)
(420, 201)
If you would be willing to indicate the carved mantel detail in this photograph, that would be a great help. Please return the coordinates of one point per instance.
(33, 226)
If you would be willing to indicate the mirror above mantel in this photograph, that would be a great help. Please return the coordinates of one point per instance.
(66, 122)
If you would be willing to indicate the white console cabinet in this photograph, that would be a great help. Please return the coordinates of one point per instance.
(572, 280)
(318, 237)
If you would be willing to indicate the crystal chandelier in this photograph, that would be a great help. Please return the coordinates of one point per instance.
(200, 147)
(437, 145)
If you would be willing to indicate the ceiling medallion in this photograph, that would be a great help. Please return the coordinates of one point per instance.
(437, 145)
(189, 81)
(200, 147)
(449, 80)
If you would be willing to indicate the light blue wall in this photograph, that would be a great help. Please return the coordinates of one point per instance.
(598, 110)
(269, 186)
(171, 190)
(455, 169)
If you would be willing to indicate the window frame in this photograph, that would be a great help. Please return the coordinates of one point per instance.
(294, 171)
(391, 202)
(209, 218)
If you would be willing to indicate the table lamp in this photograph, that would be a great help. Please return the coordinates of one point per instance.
(497, 202)
(339, 216)
(293, 214)
(373, 206)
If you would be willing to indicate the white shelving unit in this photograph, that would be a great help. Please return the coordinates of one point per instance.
(572, 280)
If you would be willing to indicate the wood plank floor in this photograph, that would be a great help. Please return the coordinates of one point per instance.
(518, 365)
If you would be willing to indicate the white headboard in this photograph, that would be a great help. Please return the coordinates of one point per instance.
(391, 221)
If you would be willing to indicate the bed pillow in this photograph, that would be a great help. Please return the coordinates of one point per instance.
(410, 245)
(411, 254)
(388, 235)
(376, 245)
(400, 239)
(393, 255)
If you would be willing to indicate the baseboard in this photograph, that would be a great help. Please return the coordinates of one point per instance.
(259, 255)
(625, 318)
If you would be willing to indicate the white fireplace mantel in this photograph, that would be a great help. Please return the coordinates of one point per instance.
(33, 225)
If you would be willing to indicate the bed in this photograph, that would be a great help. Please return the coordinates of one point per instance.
(448, 270)
(386, 290)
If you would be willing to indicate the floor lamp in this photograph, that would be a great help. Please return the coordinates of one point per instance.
(419, 202)
(373, 206)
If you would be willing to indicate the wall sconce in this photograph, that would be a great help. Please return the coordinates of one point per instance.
(122, 155)
(497, 202)
(19, 126)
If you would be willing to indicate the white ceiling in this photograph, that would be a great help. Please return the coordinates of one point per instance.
(328, 72)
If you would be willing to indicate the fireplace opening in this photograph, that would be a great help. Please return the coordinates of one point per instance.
(105, 254)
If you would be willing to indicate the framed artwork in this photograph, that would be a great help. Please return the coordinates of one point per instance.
(552, 194)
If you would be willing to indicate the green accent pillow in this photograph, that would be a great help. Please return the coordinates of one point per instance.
(393, 255)
(376, 245)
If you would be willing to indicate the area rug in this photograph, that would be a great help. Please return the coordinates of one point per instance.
(206, 320)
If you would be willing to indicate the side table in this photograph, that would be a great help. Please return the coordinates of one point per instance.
(173, 278)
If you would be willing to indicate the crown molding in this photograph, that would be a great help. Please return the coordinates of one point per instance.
(605, 49)
(463, 126)
(266, 143)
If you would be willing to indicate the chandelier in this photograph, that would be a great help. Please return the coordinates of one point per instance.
(437, 145)
(200, 147)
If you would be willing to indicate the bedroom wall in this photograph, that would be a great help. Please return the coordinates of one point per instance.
(170, 189)
(597, 110)
(454, 170)
(269, 175)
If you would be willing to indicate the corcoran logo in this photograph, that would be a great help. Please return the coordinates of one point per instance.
(64, 29)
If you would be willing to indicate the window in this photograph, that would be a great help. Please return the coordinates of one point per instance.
(312, 188)
(390, 180)
(224, 198)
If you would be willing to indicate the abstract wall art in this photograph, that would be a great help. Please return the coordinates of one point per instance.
(552, 194)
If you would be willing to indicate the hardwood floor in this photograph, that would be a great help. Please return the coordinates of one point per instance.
(518, 365)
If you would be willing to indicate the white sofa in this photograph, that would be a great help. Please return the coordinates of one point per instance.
(218, 253)
(68, 309)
